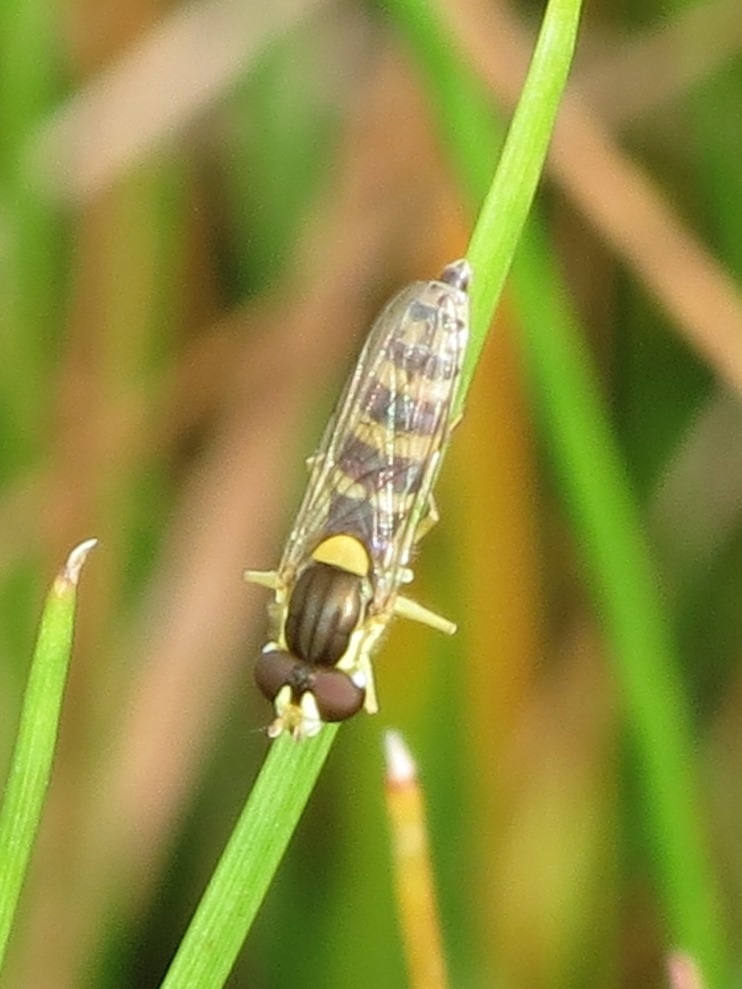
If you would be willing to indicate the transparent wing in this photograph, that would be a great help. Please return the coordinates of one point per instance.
(380, 454)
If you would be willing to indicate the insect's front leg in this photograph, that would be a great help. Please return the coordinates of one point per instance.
(265, 578)
(370, 704)
(359, 659)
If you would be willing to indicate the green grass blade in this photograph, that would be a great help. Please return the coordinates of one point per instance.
(605, 515)
(505, 208)
(627, 593)
(37, 735)
(471, 132)
(236, 890)
(233, 897)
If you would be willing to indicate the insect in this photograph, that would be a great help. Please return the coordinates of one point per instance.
(368, 502)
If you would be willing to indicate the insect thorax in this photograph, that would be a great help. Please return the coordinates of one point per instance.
(310, 671)
(328, 602)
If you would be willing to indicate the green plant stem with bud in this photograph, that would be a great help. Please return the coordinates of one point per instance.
(37, 736)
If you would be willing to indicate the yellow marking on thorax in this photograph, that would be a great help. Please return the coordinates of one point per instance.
(345, 552)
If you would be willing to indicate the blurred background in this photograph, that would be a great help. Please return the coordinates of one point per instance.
(202, 207)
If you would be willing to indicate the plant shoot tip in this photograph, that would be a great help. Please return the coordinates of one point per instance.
(401, 768)
(75, 560)
(683, 971)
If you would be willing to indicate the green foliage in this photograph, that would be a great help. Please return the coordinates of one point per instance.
(164, 341)
(30, 767)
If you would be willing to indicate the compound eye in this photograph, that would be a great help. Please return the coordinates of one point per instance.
(336, 695)
(273, 670)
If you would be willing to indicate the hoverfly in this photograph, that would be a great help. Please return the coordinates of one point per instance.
(368, 501)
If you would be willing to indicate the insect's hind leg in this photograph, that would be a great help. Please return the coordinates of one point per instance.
(428, 520)
(407, 608)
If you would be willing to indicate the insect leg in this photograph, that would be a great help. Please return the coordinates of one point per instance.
(408, 608)
(427, 522)
(266, 578)
(370, 704)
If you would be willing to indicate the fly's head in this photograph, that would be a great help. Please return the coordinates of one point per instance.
(304, 695)
(309, 672)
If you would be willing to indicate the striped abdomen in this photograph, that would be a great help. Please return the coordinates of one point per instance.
(387, 457)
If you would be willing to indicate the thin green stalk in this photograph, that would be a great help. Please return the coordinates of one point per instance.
(252, 856)
(605, 515)
(472, 135)
(37, 735)
(503, 214)
(628, 595)
(233, 897)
